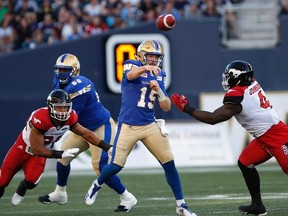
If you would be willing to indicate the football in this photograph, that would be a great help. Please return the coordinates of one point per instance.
(165, 22)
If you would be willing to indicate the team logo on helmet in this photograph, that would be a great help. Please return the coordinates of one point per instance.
(66, 67)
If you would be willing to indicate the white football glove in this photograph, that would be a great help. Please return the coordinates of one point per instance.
(70, 152)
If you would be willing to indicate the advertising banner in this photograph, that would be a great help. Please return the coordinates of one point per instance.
(197, 144)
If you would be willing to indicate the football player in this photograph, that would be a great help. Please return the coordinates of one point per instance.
(92, 115)
(142, 86)
(247, 102)
(44, 127)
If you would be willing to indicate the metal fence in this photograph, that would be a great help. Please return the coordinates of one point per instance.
(251, 24)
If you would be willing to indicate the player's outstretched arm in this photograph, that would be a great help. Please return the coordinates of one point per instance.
(221, 114)
(91, 137)
(135, 72)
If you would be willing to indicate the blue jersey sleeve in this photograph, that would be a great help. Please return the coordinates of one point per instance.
(86, 102)
(128, 64)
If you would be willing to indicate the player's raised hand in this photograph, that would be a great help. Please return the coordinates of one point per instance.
(154, 70)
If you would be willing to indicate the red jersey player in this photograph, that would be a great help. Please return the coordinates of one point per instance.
(34, 144)
(248, 103)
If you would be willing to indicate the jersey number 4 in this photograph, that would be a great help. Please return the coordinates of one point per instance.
(264, 102)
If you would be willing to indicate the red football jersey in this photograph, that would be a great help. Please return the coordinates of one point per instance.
(40, 119)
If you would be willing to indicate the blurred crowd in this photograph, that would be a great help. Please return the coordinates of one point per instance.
(26, 24)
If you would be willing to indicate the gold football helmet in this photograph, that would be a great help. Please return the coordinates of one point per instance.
(66, 67)
(149, 47)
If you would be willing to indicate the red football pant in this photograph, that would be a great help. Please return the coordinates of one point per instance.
(17, 158)
(273, 143)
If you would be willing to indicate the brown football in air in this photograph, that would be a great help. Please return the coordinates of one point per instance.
(165, 22)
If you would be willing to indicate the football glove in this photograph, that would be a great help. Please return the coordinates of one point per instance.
(69, 152)
(182, 103)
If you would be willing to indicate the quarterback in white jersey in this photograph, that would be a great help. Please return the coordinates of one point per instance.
(248, 103)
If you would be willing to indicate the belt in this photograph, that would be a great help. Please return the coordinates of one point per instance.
(28, 150)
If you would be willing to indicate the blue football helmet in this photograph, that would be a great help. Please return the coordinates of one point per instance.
(66, 67)
(149, 47)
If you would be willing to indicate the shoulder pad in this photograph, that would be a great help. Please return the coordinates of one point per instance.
(236, 91)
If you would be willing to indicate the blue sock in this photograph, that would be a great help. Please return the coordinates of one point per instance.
(107, 172)
(62, 174)
(115, 183)
(173, 179)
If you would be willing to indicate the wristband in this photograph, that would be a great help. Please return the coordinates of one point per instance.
(57, 154)
(104, 145)
(189, 110)
(161, 95)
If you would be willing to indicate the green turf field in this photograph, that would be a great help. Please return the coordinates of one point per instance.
(208, 191)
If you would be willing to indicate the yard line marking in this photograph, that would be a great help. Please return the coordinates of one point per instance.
(227, 197)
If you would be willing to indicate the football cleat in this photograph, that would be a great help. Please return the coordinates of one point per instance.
(16, 199)
(127, 202)
(58, 197)
(253, 209)
(91, 195)
(184, 210)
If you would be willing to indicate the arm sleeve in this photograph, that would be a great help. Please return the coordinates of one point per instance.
(73, 120)
(40, 130)
(232, 99)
